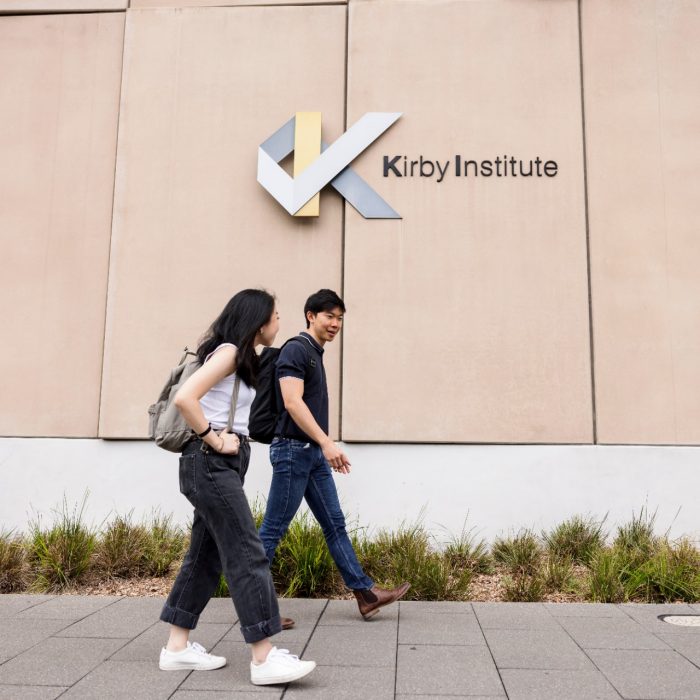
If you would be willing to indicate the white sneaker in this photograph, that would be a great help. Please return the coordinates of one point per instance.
(193, 658)
(279, 667)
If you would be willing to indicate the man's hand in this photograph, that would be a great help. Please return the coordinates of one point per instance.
(336, 457)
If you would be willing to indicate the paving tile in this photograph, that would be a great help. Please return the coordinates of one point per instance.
(686, 644)
(127, 679)
(234, 677)
(12, 603)
(514, 616)
(447, 697)
(531, 684)
(345, 612)
(30, 692)
(147, 646)
(644, 674)
(540, 649)
(584, 610)
(344, 683)
(124, 619)
(68, 607)
(418, 627)
(218, 610)
(648, 616)
(57, 661)
(463, 670)
(349, 646)
(438, 607)
(20, 635)
(610, 633)
(270, 694)
(305, 613)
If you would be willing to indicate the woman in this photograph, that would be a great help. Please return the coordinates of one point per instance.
(212, 470)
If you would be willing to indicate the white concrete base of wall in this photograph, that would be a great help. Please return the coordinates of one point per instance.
(500, 488)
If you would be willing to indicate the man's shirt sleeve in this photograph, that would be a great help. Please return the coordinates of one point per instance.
(292, 362)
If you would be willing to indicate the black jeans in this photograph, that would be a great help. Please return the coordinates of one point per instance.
(223, 538)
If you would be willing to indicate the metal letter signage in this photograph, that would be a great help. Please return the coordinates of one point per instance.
(317, 164)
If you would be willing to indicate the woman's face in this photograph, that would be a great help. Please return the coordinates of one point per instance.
(269, 331)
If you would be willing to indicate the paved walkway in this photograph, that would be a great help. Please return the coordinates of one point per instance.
(106, 647)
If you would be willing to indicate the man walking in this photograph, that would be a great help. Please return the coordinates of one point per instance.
(302, 453)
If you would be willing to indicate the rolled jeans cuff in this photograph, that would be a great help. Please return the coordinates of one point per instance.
(178, 617)
(262, 630)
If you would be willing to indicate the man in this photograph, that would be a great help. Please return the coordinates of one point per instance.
(302, 453)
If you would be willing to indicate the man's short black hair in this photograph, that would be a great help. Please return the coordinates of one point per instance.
(323, 300)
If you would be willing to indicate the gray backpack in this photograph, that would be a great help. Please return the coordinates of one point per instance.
(165, 422)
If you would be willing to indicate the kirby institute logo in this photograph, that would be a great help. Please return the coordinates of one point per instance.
(316, 164)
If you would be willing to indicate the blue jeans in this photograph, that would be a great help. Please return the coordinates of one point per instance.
(301, 471)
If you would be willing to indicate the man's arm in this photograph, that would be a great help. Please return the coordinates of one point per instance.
(292, 392)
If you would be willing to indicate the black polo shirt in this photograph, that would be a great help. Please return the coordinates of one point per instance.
(302, 357)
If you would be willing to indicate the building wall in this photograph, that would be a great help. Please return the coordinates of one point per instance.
(542, 310)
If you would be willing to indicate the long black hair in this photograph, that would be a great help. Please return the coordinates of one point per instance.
(239, 322)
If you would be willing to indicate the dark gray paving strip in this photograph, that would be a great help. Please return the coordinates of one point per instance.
(36, 621)
(532, 684)
(343, 683)
(644, 673)
(688, 646)
(31, 692)
(69, 607)
(396, 657)
(14, 603)
(449, 671)
(18, 636)
(58, 661)
(592, 660)
(224, 695)
(486, 641)
(125, 618)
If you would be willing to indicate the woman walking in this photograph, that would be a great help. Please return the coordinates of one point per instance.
(212, 469)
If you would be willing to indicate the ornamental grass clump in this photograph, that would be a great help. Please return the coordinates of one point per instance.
(557, 574)
(521, 556)
(576, 539)
(303, 566)
(671, 574)
(407, 555)
(637, 539)
(163, 545)
(61, 555)
(466, 552)
(121, 548)
(14, 567)
(607, 572)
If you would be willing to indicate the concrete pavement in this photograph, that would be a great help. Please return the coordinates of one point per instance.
(107, 647)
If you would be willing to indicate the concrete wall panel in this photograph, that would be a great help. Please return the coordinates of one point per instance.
(38, 6)
(468, 319)
(225, 3)
(202, 89)
(59, 100)
(643, 146)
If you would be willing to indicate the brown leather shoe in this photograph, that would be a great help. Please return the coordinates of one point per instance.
(287, 623)
(370, 600)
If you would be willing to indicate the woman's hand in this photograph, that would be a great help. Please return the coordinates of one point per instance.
(229, 443)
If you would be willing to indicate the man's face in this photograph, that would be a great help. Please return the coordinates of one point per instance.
(326, 325)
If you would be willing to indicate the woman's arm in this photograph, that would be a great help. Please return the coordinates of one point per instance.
(220, 365)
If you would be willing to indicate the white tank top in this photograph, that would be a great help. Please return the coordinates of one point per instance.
(216, 403)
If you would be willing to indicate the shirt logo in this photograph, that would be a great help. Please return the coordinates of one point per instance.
(317, 164)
